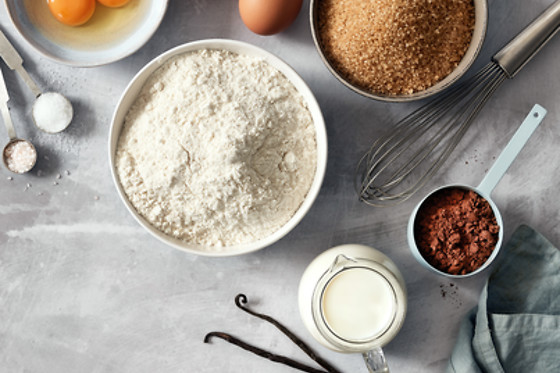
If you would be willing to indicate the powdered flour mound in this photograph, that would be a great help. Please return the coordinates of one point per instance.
(218, 149)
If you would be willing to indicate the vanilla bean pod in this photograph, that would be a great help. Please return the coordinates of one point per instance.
(258, 351)
(242, 298)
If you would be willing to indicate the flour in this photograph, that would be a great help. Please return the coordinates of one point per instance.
(218, 149)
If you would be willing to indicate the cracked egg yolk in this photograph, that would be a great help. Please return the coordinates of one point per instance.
(72, 12)
(113, 3)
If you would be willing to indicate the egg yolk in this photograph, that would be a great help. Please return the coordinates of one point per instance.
(113, 3)
(72, 12)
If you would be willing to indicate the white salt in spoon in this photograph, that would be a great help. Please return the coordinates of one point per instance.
(19, 155)
(52, 112)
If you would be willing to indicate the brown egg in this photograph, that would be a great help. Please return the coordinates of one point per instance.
(267, 17)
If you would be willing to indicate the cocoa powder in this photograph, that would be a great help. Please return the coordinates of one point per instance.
(456, 230)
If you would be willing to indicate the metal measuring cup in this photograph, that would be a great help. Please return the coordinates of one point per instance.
(484, 189)
(14, 140)
(57, 117)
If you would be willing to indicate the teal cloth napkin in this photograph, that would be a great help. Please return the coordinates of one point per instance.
(516, 326)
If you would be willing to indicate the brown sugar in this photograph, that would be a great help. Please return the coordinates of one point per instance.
(395, 47)
(456, 230)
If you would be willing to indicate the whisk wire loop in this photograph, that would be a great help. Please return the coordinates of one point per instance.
(421, 142)
(440, 125)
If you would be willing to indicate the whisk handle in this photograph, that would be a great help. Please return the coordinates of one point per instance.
(524, 46)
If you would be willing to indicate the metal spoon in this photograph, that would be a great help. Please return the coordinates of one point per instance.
(46, 117)
(12, 153)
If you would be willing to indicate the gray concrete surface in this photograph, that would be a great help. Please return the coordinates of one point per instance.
(83, 288)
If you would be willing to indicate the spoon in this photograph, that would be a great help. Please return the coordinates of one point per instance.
(19, 155)
(52, 112)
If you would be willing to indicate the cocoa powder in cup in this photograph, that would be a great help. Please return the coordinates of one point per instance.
(456, 230)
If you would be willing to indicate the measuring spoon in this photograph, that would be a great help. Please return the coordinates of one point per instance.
(484, 189)
(52, 112)
(19, 156)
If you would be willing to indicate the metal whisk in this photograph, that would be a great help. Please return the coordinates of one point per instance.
(402, 161)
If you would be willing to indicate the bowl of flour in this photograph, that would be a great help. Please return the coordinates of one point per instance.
(218, 148)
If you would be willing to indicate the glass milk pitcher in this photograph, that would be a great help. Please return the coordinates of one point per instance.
(352, 299)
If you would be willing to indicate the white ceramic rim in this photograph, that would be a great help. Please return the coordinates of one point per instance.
(129, 95)
(479, 34)
(141, 41)
(418, 255)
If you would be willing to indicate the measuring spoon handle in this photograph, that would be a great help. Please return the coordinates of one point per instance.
(512, 149)
(14, 61)
(4, 110)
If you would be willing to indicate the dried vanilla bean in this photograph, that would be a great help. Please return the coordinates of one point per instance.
(241, 299)
(258, 351)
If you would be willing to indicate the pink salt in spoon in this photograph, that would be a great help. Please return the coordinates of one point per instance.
(19, 155)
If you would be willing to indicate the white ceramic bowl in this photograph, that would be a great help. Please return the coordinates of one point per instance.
(82, 53)
(130, 94)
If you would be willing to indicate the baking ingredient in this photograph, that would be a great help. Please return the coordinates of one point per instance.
(105, 29)
(267, 17)
(218, 149)
(395, 47)
(72, 12)
(20, 156)
(114, 3)
(358, 304)
(52, 112)
(240, 300)
(456, 230)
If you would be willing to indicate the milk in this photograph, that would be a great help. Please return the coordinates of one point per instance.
(358, 304)
(352, 299)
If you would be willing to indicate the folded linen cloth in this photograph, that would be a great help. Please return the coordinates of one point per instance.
(516, 326)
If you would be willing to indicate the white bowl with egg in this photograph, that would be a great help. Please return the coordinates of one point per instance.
(133, 91)
(110, 35)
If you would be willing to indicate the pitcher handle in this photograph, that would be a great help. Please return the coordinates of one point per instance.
(375, 361)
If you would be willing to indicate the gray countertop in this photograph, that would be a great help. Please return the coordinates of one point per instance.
(83, 288)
